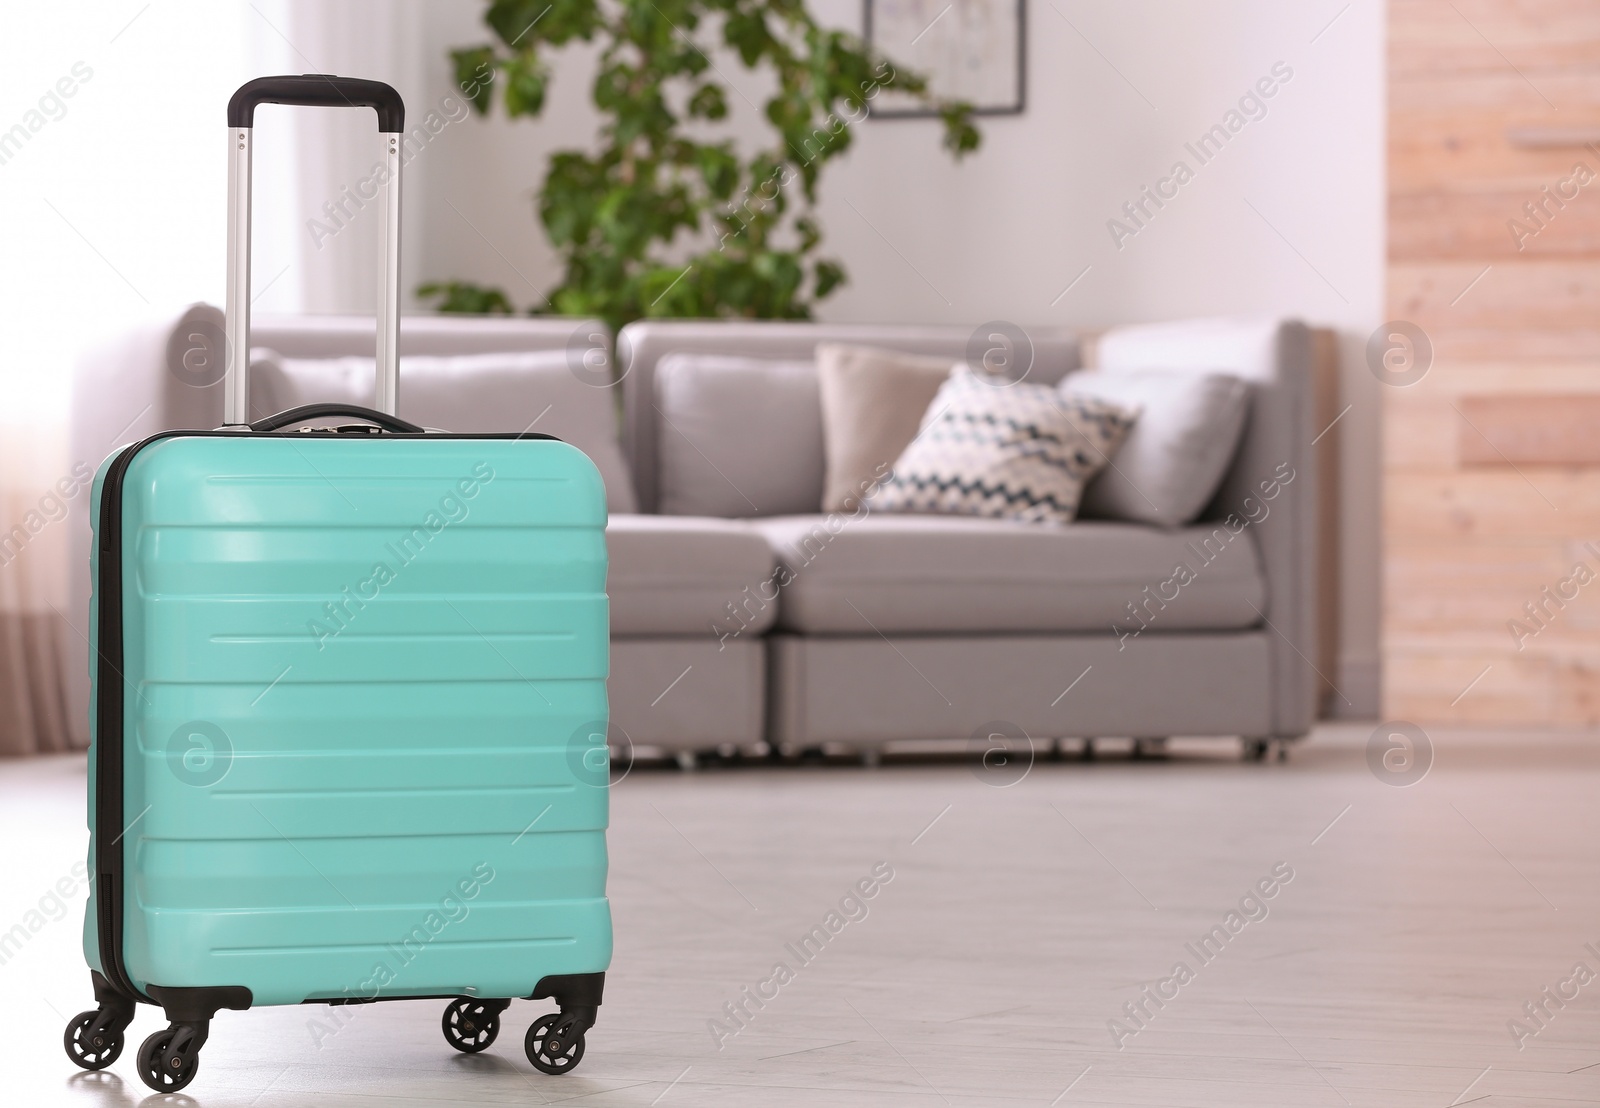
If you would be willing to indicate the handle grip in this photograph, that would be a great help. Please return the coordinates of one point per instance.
(318, 90)
(318, 411)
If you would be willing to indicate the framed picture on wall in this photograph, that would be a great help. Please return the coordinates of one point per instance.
(968, 50)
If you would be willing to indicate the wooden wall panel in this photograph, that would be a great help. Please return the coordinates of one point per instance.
(1478, 225)
(1491, 504)
(1454, 344)
(1543, 294)
(1492, 461)
(1419, 434)
(1530, 430)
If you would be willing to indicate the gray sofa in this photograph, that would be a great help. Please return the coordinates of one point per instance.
(920, 627)
(888, 628)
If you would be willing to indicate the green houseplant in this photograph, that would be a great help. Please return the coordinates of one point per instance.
(660, 220)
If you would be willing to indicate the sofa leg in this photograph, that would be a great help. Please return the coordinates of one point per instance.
(686, 760)
(1055, 750)
(1255, 749)
(871, 756)
(1088, 750)
(1149, 748)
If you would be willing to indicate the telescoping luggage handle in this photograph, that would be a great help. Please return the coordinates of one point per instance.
(315, 89)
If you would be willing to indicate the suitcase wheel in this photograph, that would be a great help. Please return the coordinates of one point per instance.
(555, 1043)
(168, 1060)
(94, 1039)
(471, 1025)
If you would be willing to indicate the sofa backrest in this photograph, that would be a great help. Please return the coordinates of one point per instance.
(136, 370)
(333, 336)
(642, 345)
(459, 373)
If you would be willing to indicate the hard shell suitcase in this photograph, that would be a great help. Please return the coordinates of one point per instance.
(349, 709)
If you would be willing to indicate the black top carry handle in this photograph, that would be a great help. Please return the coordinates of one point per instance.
(319, 90)
(318, 411)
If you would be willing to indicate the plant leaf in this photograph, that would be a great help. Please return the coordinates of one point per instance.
(660, 214)
(463, 296)
(475, 74)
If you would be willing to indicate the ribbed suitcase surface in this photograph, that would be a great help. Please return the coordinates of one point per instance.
(363, 714)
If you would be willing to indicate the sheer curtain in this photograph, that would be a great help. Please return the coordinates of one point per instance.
(33, 579)
(334, 150)
(112, 200)
(113, 171)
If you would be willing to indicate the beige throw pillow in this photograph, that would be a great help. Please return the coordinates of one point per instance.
(873, 401)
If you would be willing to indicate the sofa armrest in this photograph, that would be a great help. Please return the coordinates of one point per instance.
(123, 391)
(1273, 481)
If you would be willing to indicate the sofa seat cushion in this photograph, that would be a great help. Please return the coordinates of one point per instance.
(898, 574)
(688, 575)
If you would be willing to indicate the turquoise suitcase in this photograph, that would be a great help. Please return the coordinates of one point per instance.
(349, 720)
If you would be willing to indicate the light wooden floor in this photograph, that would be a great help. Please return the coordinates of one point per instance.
(1019, 921)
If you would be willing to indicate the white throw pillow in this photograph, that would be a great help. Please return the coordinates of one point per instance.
(737, 437)
(1018, 451)
(1169, 467)
(471, 393)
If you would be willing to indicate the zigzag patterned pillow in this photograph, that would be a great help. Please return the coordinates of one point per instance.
(1018, 451)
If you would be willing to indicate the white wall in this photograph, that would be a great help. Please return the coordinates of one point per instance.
(1004, 232)
(1288, 219)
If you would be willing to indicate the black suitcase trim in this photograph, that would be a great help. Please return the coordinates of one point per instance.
(108, 806)
(185, 1005)
(108, 723)
(582, 990)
